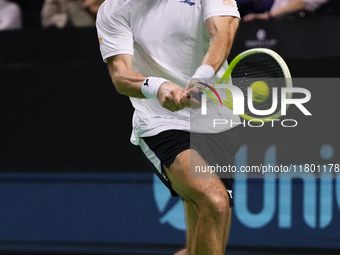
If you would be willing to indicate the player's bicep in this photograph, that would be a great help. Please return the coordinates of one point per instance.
(222, 24)
(119, 64)
(222, 30)
(221, 19)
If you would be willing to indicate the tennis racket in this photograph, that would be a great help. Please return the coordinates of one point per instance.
(254, 67)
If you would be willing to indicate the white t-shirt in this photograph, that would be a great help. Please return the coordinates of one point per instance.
(167, 39)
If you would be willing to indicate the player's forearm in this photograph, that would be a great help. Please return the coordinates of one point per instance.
(128, 82)
(125, 80)
(291, 7)
(217, 53)
(221, 40)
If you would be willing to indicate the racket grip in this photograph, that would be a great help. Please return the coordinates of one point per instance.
(198, 95)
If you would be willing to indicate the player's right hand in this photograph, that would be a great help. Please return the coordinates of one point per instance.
(170, 97)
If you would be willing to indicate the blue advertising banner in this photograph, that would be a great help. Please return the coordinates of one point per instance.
(74, 211)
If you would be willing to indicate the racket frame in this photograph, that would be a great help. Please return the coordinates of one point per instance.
(225, 79)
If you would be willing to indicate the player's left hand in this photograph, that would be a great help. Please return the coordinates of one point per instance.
(192, 93)
(170, 97)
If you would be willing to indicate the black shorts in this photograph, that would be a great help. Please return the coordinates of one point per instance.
(216, 149)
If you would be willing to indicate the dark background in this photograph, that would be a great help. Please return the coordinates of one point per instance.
(59, 108)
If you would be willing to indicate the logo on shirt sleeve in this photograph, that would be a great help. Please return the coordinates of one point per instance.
(228, 2)
(100, 40)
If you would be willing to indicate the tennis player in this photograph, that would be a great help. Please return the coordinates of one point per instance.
(153, 48)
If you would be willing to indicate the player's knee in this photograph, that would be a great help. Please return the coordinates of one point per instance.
(215, 206)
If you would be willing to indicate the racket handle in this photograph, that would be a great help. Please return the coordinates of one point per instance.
(198, 95)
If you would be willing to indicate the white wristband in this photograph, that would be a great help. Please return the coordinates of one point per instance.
(204, 73)
(151, 86)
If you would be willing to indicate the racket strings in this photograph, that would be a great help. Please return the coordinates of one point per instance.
(259, 67)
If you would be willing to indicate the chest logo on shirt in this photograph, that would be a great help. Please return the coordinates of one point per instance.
(187, 2)
(228, 2)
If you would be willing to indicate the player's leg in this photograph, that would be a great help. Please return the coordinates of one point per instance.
(226, 236)
(182, 252)
(210, 200)
(208, 196)
(191, 220)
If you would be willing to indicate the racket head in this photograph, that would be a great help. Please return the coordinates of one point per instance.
(257, 65)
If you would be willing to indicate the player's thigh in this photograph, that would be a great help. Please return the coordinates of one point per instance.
(208, 186)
